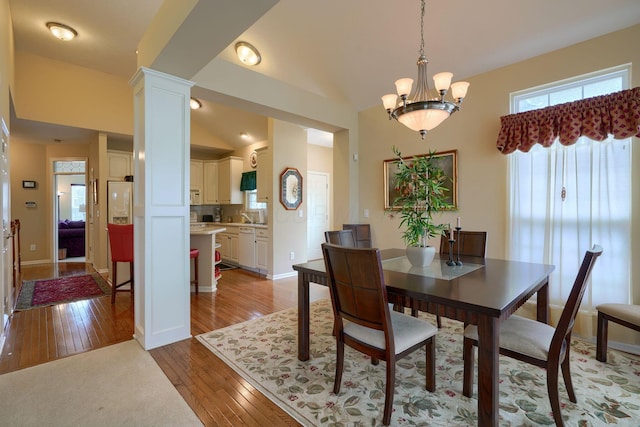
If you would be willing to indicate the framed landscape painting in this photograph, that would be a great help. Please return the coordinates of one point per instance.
(445, 160)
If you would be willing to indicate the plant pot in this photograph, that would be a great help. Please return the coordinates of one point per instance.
(420, 256)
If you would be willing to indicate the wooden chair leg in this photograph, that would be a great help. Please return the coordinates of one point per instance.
(468, 362)
(430, 365)
(390, 390)
(339, 365)
(566, 374)
(602, 337)
(552, 390)
(439, 322)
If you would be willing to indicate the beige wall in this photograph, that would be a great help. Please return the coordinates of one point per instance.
(289, 145)
(6, 59)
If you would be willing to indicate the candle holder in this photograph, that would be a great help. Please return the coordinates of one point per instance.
(451, 262)
(458, 262)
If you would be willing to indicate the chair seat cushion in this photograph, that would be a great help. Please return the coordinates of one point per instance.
(627, 312)
(407, 331)
(521, 335)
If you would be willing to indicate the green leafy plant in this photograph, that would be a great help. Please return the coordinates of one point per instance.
(421, 185)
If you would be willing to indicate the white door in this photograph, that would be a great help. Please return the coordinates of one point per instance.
(318, 207)
(6, 261)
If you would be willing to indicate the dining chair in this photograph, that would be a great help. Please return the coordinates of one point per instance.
(536, 342)
(623, 314)
(363, 321)
(341, 237)
(121, 244)
(471, 243)
(361, 234)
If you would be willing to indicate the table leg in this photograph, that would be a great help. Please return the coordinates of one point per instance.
(303, 317)
(488, 370)
(542, 308)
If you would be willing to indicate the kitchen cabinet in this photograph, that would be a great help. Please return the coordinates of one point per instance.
(229, 175)
(229, 244)
(264, 175)
(195, 175)
(119, 165)
(211, 183)
(262, 246)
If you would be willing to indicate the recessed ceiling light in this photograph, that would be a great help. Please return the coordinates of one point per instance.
(194, 104)
(244, 135)
(247, 53)
(61, 31)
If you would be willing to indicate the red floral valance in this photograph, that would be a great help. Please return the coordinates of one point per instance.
(616, 114)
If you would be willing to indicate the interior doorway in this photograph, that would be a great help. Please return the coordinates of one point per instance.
(70, 210)
(318, 216)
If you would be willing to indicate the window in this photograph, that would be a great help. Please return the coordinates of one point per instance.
(251, 202)
(563, 199)
(78, 202)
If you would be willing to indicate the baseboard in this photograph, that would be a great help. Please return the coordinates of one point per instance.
(283, 276)
(38, 261)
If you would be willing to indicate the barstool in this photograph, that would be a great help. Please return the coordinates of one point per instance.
(193, 254)
(121, 242)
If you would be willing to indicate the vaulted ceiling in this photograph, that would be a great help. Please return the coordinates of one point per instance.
(347, 50)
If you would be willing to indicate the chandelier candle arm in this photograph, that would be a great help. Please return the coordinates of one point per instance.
(418, 111)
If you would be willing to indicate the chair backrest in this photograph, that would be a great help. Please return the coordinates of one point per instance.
(570, 310)
(341, 237)
(356, 284)
(121, 242)
(361, 233)
(471, 243)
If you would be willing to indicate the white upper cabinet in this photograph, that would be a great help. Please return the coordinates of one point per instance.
(211, 183)
(120, 164)
(229, 176)
(264, 175)
(195, 175)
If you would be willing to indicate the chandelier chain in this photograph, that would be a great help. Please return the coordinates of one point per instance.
(422, 29)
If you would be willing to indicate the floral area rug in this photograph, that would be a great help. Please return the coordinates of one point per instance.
(264, 352)
(39, 293)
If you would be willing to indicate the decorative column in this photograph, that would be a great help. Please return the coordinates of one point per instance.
(161, 208)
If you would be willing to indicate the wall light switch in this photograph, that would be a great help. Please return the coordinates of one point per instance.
(300, 213)
(366, 213)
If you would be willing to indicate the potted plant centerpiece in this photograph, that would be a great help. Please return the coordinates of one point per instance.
(420, 184)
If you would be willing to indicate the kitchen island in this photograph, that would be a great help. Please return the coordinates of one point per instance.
(203, 238)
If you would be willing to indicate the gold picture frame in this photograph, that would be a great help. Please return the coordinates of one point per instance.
(445, 160)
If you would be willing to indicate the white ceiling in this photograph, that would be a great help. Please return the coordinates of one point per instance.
(347, 50)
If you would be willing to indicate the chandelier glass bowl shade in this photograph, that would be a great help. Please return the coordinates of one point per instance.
(417, 110)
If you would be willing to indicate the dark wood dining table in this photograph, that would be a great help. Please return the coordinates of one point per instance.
(485, 296)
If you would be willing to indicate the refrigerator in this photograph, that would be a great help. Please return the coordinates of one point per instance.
(119, 202)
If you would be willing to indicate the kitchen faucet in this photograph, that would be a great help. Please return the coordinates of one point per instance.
(247, 217)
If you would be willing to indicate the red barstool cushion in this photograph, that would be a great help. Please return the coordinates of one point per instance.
(193, 253)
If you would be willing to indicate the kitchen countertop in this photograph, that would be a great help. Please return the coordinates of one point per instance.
(226, 224)
(206, 230)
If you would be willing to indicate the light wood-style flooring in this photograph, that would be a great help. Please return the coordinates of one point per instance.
(213, 390)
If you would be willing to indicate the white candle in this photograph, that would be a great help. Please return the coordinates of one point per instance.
(451, 235)
(458, 222)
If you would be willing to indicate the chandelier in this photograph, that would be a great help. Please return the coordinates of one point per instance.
(417, 110)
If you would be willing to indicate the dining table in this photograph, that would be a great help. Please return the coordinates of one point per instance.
(478, 291)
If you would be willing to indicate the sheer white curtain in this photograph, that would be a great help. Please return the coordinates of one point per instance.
(563, 199)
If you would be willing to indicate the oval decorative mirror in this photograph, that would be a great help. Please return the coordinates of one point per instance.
(290, 188)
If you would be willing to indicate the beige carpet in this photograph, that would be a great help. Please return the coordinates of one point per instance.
(119, 385)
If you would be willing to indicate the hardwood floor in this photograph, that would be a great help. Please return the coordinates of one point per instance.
(213, 390)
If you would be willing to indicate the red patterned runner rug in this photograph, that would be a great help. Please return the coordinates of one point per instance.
(39, 293)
